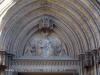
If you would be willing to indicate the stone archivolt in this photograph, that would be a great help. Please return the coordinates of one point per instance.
(73, 21)
(56, 29)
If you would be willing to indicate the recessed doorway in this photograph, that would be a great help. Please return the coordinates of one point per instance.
(45, 73)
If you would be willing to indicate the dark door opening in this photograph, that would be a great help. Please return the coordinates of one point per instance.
(45, 73)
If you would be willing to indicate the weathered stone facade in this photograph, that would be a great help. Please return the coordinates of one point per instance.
(50, 37)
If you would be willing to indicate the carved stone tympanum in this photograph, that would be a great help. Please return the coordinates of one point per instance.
(45, 42)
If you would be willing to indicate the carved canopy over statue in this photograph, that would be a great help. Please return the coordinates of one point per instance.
(45, 43)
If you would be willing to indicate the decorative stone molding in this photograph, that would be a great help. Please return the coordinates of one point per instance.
(45, 62)
(44, 70)
(26, 65)
(45, 3)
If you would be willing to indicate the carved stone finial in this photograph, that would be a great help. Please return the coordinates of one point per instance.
(46, 22)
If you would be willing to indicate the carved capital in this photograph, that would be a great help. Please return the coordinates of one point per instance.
(88, 59)
(95, 55)
(81, 56)
(94, 52)
(10, 55)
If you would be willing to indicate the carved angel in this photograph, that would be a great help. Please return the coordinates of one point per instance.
(58, 49)
(28, 51)
(61, 50)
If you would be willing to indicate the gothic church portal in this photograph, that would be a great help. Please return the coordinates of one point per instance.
(49, 37)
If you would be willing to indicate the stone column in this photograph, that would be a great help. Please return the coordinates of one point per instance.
(95, 58)
(10, 56)
(81, 58)
(88, 62)
(2, 62)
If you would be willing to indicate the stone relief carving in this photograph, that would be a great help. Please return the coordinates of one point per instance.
(29, 50)
(44, 43)
(46, 22)
(45, 47)
(60, 50)
(47, 50)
